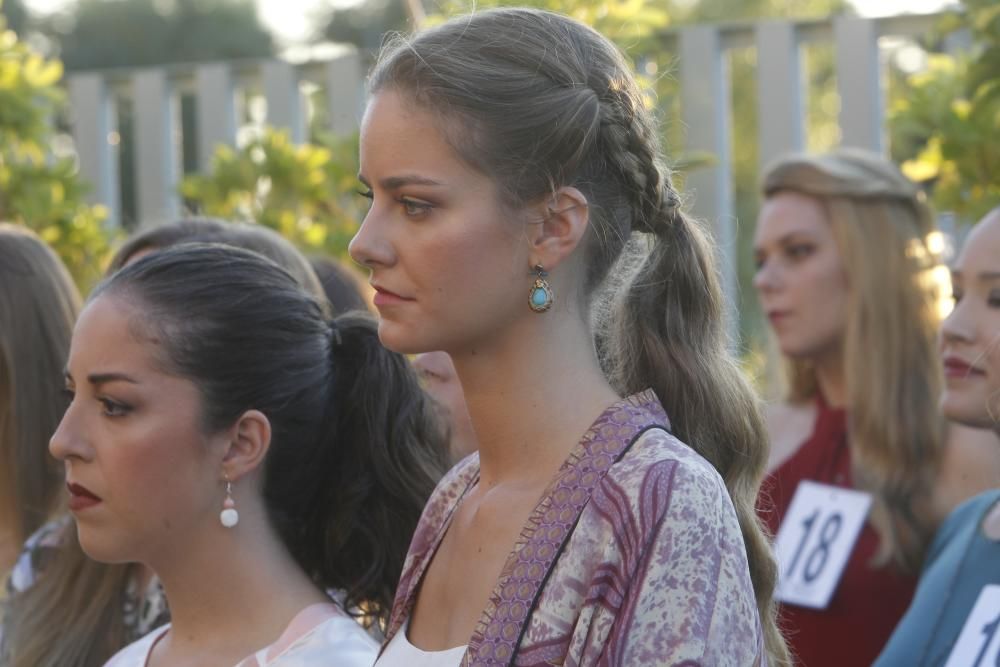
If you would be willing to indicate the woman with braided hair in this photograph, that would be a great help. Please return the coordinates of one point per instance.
(608, 516)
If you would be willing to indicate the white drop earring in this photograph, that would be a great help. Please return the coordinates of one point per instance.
(229, 516)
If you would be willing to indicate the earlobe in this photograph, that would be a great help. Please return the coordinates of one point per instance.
(566, 215)
(249, 441)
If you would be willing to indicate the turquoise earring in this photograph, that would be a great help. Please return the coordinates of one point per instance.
(540, 298)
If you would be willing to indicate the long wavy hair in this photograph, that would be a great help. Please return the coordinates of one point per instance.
(38, 307)
(889, 245)
(540, 101)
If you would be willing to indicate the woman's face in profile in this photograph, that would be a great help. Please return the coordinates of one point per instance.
(800, 277)
(142, 475)
(448, 262)
(970, 336)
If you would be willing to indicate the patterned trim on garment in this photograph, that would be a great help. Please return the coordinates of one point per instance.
(503, 622)
(498, 634)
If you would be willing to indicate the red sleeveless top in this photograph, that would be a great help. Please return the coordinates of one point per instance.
(868, 602)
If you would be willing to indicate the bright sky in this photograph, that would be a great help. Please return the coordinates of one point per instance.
(292, 19)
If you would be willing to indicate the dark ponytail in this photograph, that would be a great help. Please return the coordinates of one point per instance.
(385, 452)
(356, 448)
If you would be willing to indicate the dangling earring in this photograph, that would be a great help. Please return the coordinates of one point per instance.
(540, 297)
(229, 516)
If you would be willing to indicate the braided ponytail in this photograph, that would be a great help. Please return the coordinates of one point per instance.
(581, 121)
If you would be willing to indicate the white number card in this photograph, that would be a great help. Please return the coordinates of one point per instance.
(815, 541)
(978, 644)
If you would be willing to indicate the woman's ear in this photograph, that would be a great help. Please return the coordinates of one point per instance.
(564, 216)
(249, 441)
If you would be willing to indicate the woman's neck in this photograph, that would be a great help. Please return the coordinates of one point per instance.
(531, 394)
(832, 383)
(233, 591)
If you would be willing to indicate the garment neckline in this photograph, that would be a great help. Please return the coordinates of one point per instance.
(304, 622)
(447, 652)
(607, 439)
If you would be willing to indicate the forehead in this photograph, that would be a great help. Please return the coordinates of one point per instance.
(106, 333)
(787, 213)
(981, 251)
(397, 131)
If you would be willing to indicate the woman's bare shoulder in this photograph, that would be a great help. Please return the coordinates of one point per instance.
(788, 426)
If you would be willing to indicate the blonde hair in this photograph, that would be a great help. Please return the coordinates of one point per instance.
(539, 101)
(38, 306)
(887, 240)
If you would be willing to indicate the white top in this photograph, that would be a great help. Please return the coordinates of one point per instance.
(401, 653)
(321, 634)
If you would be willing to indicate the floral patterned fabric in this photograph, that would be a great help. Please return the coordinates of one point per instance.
(634, 556)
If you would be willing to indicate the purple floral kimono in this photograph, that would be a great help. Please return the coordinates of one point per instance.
(633, 556)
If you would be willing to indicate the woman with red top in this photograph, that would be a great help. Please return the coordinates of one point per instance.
(849, 276)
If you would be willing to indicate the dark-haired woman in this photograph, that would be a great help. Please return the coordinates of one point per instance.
(510, 158)
(252, 453)
(64, 608)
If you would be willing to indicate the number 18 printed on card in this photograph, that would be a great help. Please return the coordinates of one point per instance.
(815, 541)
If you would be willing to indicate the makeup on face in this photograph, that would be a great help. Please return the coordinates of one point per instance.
(138, 467)
(445, 257)
(80, 497)
(800, 279)
(970, 335)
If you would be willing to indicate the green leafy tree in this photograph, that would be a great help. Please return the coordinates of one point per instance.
(98, 34)
(945, 130)
(364, 24)
(306, 192)
(37, 189)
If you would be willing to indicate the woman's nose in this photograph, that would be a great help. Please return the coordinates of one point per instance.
(67, 442)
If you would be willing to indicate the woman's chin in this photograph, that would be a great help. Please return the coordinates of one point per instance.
(968, 411)
(401, 339)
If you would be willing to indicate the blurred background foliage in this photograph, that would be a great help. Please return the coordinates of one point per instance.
(307, 192)
(942, 116)
(945, 131)
(38, 189)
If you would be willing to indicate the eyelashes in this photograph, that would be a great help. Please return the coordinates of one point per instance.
(413, 208)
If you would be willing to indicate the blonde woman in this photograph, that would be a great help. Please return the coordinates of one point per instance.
(849, 277)
(953, 615)
(38, 305)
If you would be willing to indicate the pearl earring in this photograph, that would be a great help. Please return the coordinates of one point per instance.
(229, 516)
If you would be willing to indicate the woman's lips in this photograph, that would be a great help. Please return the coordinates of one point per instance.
(384, 297)
(954, 367)
(80, 497)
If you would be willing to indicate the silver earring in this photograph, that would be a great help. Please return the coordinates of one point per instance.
(229, 516)
(540, 297)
